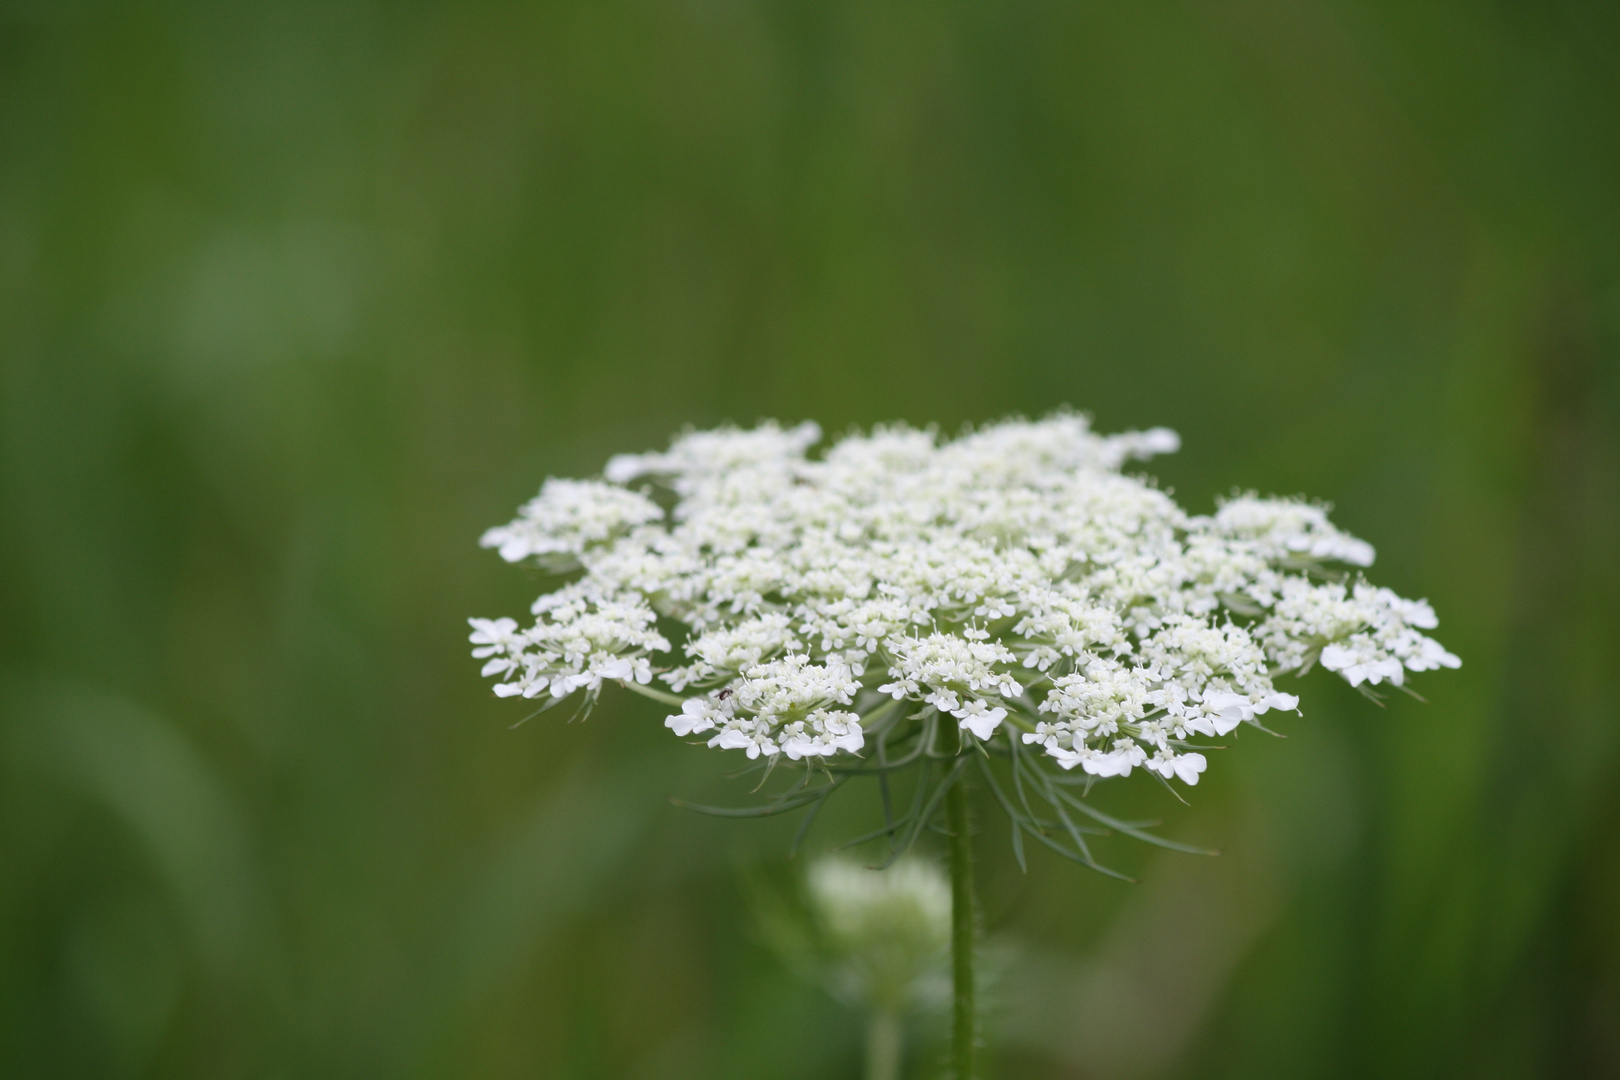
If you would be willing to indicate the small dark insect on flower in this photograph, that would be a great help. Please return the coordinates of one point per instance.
(722, 695)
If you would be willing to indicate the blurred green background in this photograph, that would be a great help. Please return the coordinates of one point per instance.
(297, 298)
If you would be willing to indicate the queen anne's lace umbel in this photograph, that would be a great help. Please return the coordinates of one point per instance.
(1011, 577)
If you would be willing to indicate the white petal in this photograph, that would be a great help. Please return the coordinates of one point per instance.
(1286, 702)
(983, 725)
(1188, 766)
(1337, 658)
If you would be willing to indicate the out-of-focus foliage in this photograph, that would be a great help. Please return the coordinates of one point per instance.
(298, 298)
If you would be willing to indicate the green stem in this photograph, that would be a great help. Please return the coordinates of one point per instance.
(965, 1032)
(652, 692)
(883, 1042)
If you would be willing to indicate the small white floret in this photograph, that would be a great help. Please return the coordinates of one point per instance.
(979, 718)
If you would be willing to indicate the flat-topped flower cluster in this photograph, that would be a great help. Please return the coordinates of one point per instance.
(1012, 578)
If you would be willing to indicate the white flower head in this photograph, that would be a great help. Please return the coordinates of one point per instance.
(1014, 584)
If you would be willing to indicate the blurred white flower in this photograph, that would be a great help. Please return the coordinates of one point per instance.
(885, 934)
(877, 940)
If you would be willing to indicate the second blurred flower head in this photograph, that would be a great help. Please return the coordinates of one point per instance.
(885, 934)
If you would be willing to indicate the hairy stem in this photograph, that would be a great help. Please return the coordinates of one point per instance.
(965, 1029)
